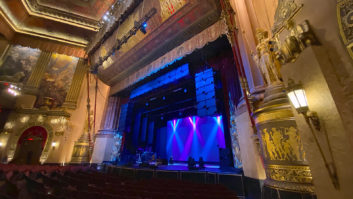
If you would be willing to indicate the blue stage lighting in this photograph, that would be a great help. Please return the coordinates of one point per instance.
(143, 27)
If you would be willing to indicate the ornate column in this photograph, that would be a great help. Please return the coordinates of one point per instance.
(286, 167)
(282, 150)
(74, 91)
(107, 138)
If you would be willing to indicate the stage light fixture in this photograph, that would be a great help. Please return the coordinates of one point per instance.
(143, 27)
(185, 90)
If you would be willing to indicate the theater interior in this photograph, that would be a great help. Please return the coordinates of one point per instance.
(157, 99)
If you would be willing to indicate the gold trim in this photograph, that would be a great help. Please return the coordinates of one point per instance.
(272, 107)
(274, 115)
(36, 34)
(348, 45)
(339, 4)
(288, 173)
(77, 23)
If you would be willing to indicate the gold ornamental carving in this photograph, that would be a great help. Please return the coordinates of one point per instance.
(286, 9)
(170, 7)
(265, 59)
(297, 174)
(345, 22)
(282, 143)
(282, 149)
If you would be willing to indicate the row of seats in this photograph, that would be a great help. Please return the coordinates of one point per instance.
(75, 182)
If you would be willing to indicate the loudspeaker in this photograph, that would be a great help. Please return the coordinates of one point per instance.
(205, 93)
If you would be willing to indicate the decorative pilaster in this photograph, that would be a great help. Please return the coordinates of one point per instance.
(3, 53)
(111, 114)
(74, 91)
(34, 80)
(108, 140)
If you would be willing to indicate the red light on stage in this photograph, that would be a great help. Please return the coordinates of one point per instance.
(30, 139)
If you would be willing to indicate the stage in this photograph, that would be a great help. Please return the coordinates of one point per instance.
(212, 174)
(184, 167)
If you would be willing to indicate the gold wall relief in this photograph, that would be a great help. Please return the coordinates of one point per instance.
(282, 143)
(345, 22)
(170, 7)
(282, 147)
(298, 174)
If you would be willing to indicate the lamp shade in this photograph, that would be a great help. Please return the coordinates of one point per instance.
(298, 99)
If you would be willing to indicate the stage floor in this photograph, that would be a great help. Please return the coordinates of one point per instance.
(184, 167)
(212, 174)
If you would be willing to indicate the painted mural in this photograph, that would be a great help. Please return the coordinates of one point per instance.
(19, 63)
(57, 80)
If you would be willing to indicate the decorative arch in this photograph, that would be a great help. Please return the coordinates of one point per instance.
(46, 145)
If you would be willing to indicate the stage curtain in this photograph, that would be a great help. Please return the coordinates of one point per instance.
(197, 42)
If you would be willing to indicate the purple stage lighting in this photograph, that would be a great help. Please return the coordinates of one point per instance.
(196, 137)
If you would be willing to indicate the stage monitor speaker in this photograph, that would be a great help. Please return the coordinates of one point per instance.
(205, 93)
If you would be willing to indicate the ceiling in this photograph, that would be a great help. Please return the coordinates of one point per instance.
(93, 9)
(57, 23)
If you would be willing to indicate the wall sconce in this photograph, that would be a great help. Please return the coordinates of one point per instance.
(54, 144)
(1, 144)
(297, 97)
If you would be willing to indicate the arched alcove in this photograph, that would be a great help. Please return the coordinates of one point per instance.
(31, 145)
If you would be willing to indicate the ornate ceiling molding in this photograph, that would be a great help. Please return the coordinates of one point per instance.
(35, 9)
(21, 28)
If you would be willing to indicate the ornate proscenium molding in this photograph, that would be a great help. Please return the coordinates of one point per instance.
(124, 39)
(345, 22)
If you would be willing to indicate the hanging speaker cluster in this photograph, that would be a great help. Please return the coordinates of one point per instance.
(205, 93)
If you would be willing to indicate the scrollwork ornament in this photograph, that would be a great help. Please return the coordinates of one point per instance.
(345, 22)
